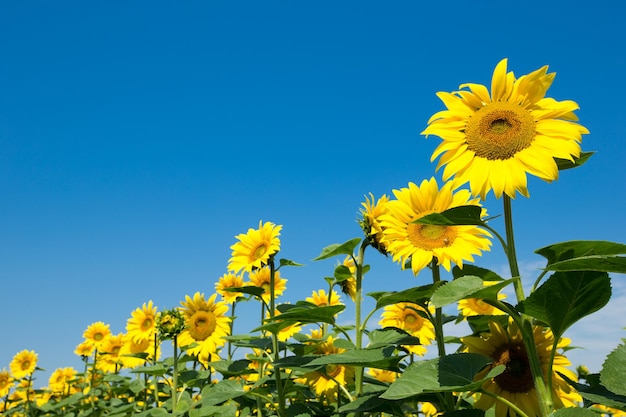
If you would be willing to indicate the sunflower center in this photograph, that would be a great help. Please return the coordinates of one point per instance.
(259, 251)
(98, 337)
(201, 325)
(499, 130)
(25, 365)
(517, 377)
(429, 236)
(146, 324)
(412, 321)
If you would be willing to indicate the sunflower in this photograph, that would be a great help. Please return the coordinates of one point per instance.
(383, 375)
(420, 243)
(348, 286)
(170, 323)
(410, 318)
(370, 220)
(142, 323)
(494, 140)
(6, 382)
(96, 333)
(23, 364)
(110, 360)
(227, 281)
(255, 248)
(477, 307)
(84, 349)
(506, 347)
(206, 325)
(286, 333)
(261, 278)
(325, 381)
(61, 381)
(136, 353)
(320, 298)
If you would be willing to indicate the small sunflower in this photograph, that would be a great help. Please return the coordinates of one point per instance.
(383, 375)
(261, 278)
(494, 140)
(133, 352)
(109, 351)
(142, 323)
(96, 333)
(320, 298)
(325, 382)
(6, 382)
(206, 325)
(285, 333)
(23, 364)
(410, 318)
(227, 281)
(370, 220)
(506, 347)
(348, 286)
(477, 307)
(84, 349)
(421, 243)
(62, 380)
(254, 248)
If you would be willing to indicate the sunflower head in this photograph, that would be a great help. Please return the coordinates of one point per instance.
(255, 248)
(170, 323)
(493, 140)
(369, 221)
(262, 278)
(142, 323)
(23, 364)
(412, 318)
(226, 282)
(420, 244)
(6, 382)
(97, 333)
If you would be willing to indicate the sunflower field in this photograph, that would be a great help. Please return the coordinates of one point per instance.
(192, 360)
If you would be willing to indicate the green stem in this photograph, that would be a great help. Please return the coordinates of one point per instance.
(508, 403)
(358, 299)
(156, 378)
(272, 308)
(231, 326)
(543, 394)
(175, 375)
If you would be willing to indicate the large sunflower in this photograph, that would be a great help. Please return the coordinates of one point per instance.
(418, 243)
(261, 278)
(494, 140)
(410, 318)
(254, 248)
(206, 325)
(142, 323)
(506, 347)
(23, 364)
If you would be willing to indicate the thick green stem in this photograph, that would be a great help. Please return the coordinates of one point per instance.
(358, 299)
(545, 398)
(272, 308)
(175, 375)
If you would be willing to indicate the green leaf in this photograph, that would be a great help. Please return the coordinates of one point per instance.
(224, 390)
(417, 295)
(477, 271)
(346, 248)
(591, 263)
(249, 289)
(371, 403)
(574, 412)
(596, 393)
(566, 297)
(456, 216)
(158, 370)
(382, 358)
(466, 286)
(342, 273)
(391, 336)
(580, 248)
(455, 372)
(563, 164)
(287, 262)
(614, 370)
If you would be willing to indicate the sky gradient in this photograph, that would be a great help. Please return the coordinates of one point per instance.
(137, 139)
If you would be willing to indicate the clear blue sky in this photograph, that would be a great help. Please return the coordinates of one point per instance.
(138, 138)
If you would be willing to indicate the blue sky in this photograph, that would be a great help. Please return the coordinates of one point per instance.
(138, 138)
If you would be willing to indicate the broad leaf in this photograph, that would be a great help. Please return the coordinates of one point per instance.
(456, 216)
(382, 358)
(477, 271)
(563, 164)
(603, 263)
(371, 403)
(346, 248)
(566, 297)
(596, 393)
(613, 372)
(287, 262)
(391, 336)
(574, 412)
(224, 390)
(417, 295)
(454, 372)
(580, 248)
(467, 286)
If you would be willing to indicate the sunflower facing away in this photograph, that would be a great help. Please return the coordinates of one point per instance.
(142, 323)
(348, 286)
(410, 318)
(494, 140)
(371, 212)
(506, 347)
(254, 248)
(418, 243)
(23, 364)
(206, 325)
